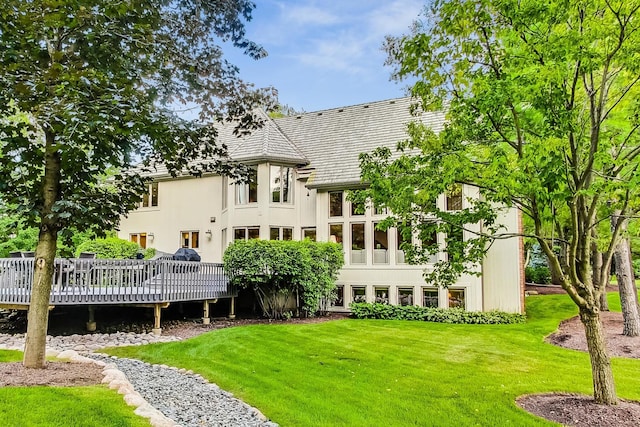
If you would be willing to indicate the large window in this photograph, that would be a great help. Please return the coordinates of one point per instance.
(339, 301)
(139, 238)
(381, 295)
(150, 198)
(454, 242)
(281, 184)
(245, 233)
(358, 250)
(225, 192)
(457, 298)
(335, 203)
(380, 245)
(430, 240)
(357, 209)
(454, 198)
(248, 192)
(358, 294)
(403, 237)
(430, 297)
(309, 233)
(335, 233)
(280, 233)
(190, 239)
(405, 296)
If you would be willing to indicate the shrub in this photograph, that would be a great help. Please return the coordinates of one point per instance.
(109, 248)
(149, 253)
(539, 274)
(636, 267)
(365, 310)
(277, 270)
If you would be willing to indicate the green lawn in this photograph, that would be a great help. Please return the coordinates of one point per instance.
(392, 373)
(63, 406)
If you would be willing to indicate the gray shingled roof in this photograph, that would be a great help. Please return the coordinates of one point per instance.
(333, 139)
(326, 142)
(265, 144)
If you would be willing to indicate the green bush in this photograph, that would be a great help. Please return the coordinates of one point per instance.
(539, 274)
(109, 248)
(364, 310)
(277, 270)
(636, 267)
(149, 253)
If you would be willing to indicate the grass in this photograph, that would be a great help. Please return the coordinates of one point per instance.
(63, 406)
(393, 373)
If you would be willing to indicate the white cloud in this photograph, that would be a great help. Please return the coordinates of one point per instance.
(342, 53)
(395, 17)
(308, 15)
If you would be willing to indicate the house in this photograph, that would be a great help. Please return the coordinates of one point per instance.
(302, 166)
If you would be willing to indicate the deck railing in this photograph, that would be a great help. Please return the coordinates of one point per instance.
(107, 281)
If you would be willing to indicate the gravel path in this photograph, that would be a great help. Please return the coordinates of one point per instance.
(186, 398)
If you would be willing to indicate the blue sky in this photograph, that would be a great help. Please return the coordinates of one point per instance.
(325, 53)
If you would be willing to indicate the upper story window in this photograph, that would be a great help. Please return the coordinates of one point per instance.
(454, 198)
(335, 203)
(357, 208)
(225, 192)
(190, 239)
(150, 198)
(380, 245)
(281, 184)
(248, 192)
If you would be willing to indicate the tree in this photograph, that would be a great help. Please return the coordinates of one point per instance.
(542, 110)
(89, 90)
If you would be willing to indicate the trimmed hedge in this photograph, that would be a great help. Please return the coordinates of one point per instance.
(365, 310)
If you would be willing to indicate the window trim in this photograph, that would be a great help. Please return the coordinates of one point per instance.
(246, 230)
(432, 289)
(315, 233)
(281, 231)
(280, 171)
(151, 199)
(137, 238)
(341, 204)
(464, 297)
(362, 251)
(247, 189)
(192, 234)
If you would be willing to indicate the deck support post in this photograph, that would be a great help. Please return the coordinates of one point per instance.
(206, 320)
(157, 310)
(232, 308)
(91, 324)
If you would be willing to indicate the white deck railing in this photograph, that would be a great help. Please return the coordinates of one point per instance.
(109, 281)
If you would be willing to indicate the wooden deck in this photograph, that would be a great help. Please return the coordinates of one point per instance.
(102, 282)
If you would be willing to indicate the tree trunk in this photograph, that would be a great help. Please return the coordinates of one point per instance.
(626, 282)
(38, 316)
(596, 264)
(604, 390)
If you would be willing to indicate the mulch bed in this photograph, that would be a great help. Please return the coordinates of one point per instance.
(54, 374)
(581, 411)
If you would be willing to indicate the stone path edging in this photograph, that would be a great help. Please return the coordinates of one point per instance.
(69, 348)
(117, 380)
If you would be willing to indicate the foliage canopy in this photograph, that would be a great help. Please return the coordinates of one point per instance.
(542, 114)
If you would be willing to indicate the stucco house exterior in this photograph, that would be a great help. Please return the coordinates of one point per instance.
(303, 166)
